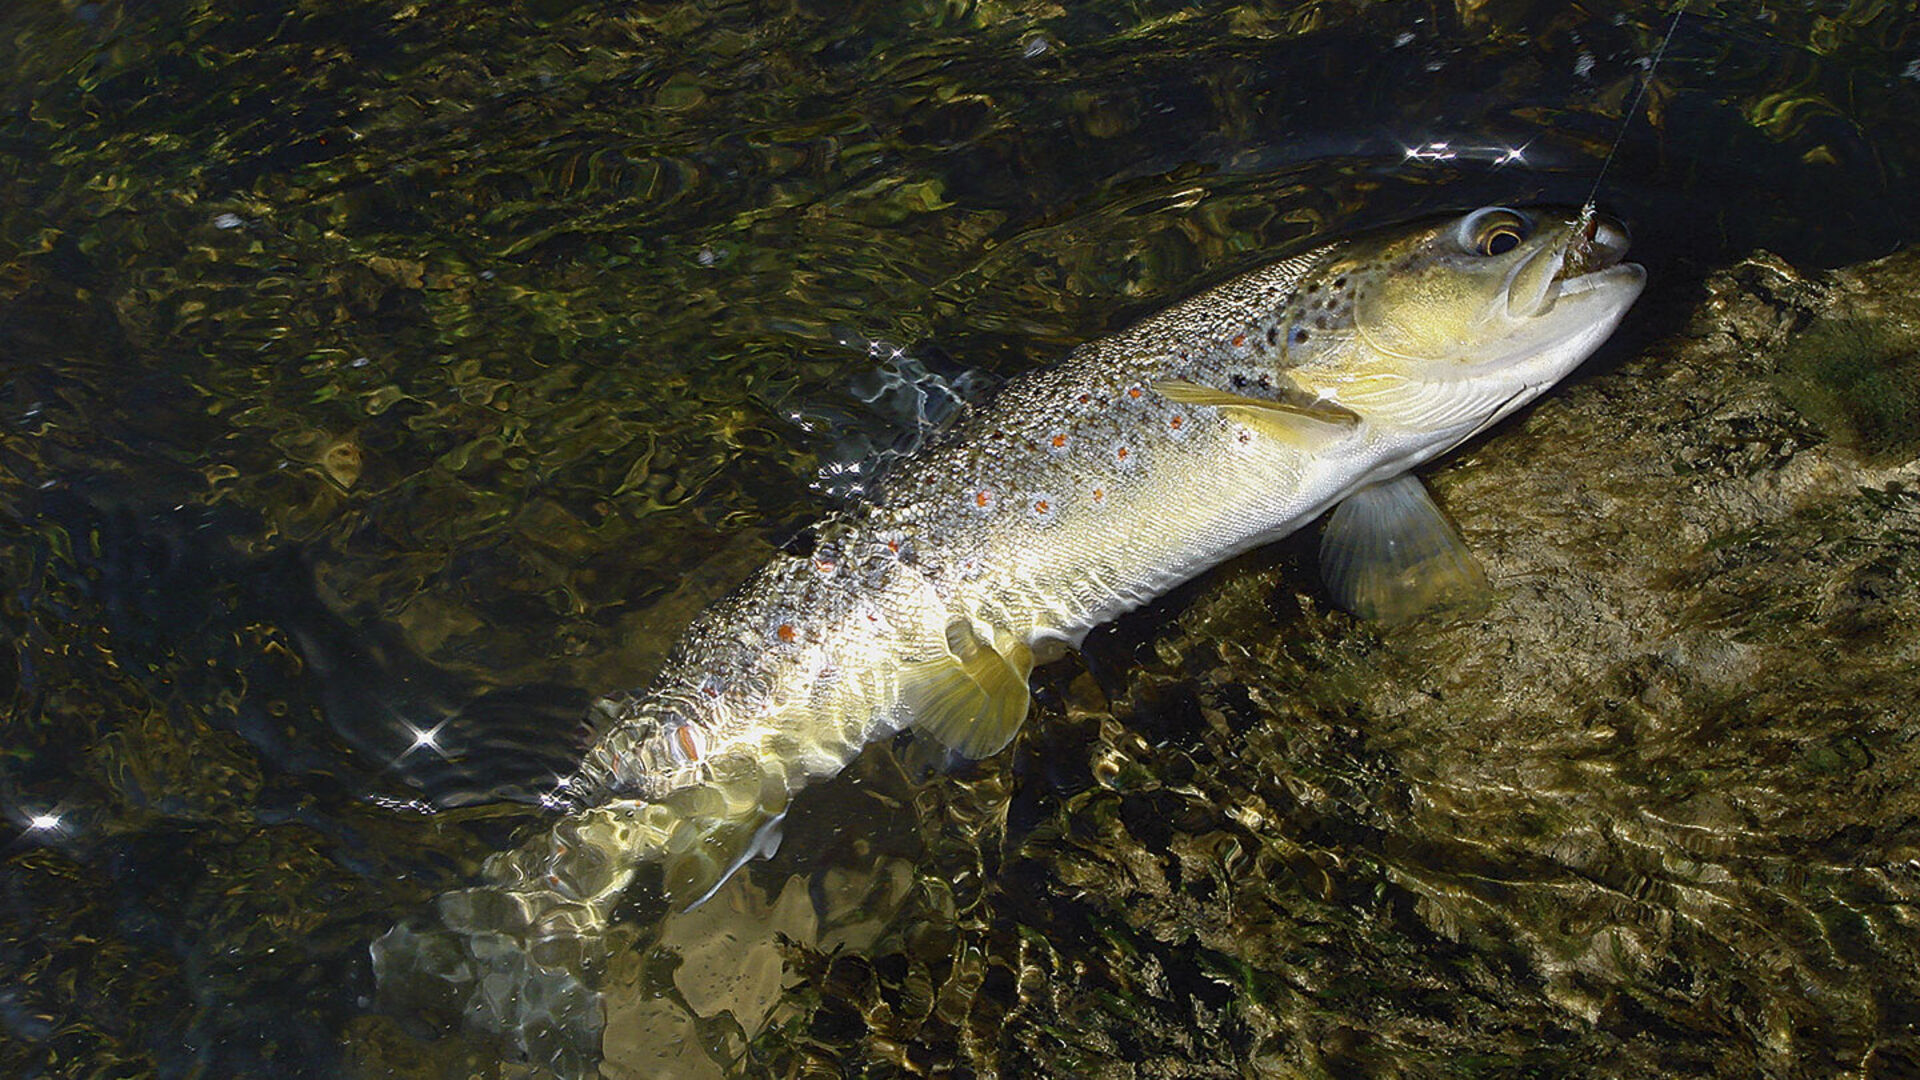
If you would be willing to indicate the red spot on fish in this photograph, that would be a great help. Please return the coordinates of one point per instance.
(1084, 398)
(689, 746)
(787, 633)
(824, 566)
(1134, 392)
(1099, 494)
(893, 546)
(1059, 441)
(1041, 507)
(1239, 340)
(982, 498)
(1176, 421)
(1121, 453)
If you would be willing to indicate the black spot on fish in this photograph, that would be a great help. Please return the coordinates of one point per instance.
(1299, 335)
(1273, 334)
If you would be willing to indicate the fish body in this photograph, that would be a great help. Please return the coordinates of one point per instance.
(1077, 493)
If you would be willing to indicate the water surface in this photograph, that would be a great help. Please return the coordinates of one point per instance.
(365, 367)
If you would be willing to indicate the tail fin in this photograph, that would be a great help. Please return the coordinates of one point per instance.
(522, 955)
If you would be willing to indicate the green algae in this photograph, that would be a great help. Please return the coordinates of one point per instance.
(1859, 380)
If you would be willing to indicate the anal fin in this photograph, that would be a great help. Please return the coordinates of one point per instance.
(693, 877)
(975, 698)
(1388, 554)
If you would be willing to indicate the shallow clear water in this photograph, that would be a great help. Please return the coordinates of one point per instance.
(362, 369)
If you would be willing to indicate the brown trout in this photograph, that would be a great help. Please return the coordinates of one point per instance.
(1077, 493)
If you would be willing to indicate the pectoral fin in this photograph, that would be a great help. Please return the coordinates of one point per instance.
(973, 699)
(1388, 554)
(1306, 422)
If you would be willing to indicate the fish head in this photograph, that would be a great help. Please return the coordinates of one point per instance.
(1442, 329)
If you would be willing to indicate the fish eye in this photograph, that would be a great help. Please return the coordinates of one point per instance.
(1492, 231)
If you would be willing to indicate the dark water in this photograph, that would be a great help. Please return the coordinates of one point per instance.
(364, 367)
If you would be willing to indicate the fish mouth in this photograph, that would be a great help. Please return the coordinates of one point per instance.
(1569, 295)
(1599, 242)
(1617, 274)
(1591, 258)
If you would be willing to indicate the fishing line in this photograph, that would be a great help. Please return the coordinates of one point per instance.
(1588, 209)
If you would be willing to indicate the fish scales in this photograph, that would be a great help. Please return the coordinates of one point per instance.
(1078, 492)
